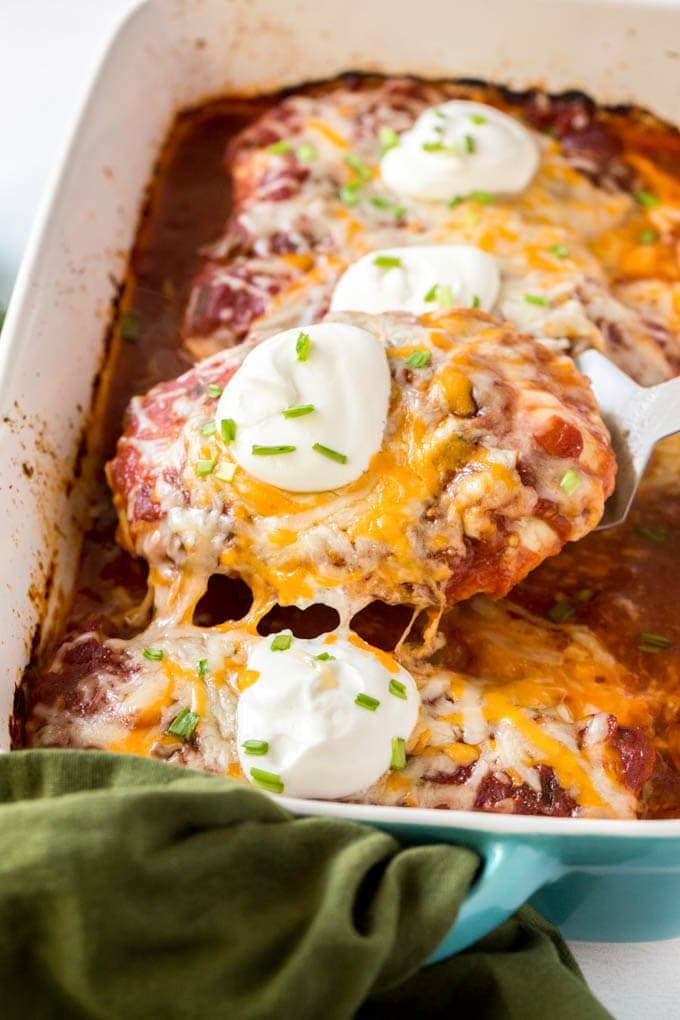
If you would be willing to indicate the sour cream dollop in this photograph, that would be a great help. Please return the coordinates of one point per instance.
(308, 407)
(459, 148)
(418, 279)
(311, 715)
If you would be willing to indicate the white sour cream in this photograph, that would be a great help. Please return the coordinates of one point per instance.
(458, 148)
(322, 390)
(418, 279)
(319, 741)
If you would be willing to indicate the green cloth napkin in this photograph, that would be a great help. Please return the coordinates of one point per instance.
(130, 888)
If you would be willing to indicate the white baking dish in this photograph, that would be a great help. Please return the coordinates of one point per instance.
(600, 879)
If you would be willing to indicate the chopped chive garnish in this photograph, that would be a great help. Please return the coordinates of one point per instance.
(303, 346)
(450, 150)
(255, 746)
(477, 118)
(561, 611)
(383, 203)
(129, 327)
(387, 261)
(202, 667)
(278, 148)
(481, 197)
(444, 296)
(658, 640)
(475, 301)
(281, 643)
(153, 654)
(228, 430)
(439, 113)
(341, 458)
(305, 152)
(267, 780)
(349, 193)
(536, 299)
(225, 472)
(398, 689)
(324, 657)
(453, 202)
(398, 753)
(469, 143)
(654, 649)
(584, 595)
(419, 359)
(214, 390)
(431, 294)
(570, 481)
(366, 701)
(358, 166)
(184, 724)
(388, 138)
(208, 429)
(648, 236)
(271, 451)
(647, 199)
(205, 467)
(299, 411)
(657, 535)
(559, 251)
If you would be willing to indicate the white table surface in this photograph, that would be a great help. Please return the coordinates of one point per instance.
(48, 51)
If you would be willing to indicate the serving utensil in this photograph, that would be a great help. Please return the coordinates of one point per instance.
(637, 418)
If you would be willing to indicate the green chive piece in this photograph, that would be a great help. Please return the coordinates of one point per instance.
(387, 261)
(271, 451)
(559, 251)
(388, 138)
(432, 146)
(228, 430)
(255, 746)
(281, 643)
(3, 313)
(214, 390)
(305, 152)
(202, 668)
(349, 193)
(477, 118)
(205, 467)
(184, 724)
(209, 429)
(303, 346)
(561, 611)
(398, 689)
(278, 148)
(481, 197)
(267, 780)
(469, 143)
(325, 657)
(658, 640)
(584, 595)
(432, 293)
(366, 701)
(299, 411)
(475, 301)
(153, 654)
(398, 211)
(653, 649)
(648, 236)
(455, 201)
(537, 299)
(225, 472)
(341, 458)
(444, 296)
(419, 359)
(651, 533)
(129, 327)
(647, 199)
(570, 481)
(358, 166)
(398, 753)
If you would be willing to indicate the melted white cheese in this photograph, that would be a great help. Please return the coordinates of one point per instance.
(458, 148)
(320, 742)
(337, 370)
(418, 279)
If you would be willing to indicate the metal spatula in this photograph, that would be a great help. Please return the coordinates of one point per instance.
(637, 417)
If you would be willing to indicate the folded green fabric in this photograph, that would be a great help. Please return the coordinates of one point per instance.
(134, 889)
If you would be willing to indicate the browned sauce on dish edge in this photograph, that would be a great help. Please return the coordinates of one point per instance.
(595, 581)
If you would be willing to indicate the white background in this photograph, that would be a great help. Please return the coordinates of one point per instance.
(48, 52)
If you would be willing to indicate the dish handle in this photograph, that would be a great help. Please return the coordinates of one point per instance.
(511, 873)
